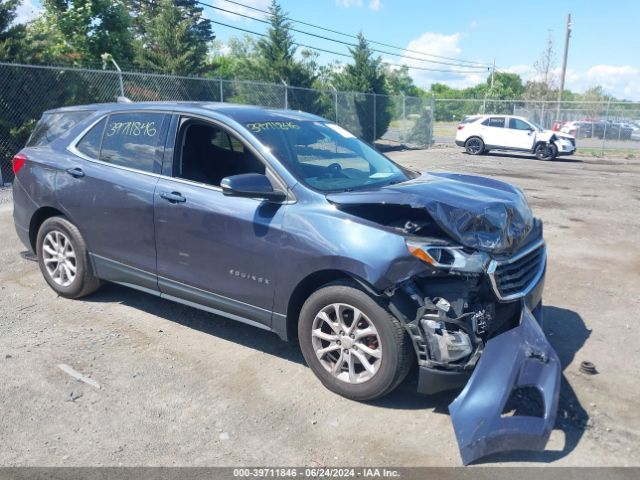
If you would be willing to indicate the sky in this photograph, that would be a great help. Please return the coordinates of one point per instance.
(604, 47)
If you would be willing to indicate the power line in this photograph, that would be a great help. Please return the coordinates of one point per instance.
(344, 54)
(342, 41)
(353, 36)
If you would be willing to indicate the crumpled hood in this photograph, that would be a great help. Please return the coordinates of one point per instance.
(478, 212)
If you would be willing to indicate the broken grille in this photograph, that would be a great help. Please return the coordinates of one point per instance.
(516, 277)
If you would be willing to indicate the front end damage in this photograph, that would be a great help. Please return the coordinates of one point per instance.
(474, 311)
(482, 332)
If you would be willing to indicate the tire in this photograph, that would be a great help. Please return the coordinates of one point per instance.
(546, 152)
(390, 342)
(474, 146)
(60, 248)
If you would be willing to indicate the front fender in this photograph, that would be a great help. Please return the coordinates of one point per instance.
(318, 238)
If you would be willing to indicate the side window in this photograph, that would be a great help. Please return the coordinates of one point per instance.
(517, 124)
(132, 140)
(208, 154)
(494, 122)
(90, 143)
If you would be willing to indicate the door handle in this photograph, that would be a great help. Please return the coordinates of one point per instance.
(75, 172)
(173, 197)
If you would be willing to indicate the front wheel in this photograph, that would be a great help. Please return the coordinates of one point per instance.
(546, 151)
(352, 344)
(474, 146)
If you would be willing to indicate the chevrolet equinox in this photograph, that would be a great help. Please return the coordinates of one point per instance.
(288, 222)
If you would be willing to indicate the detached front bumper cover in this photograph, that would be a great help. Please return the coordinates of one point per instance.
(520, 357)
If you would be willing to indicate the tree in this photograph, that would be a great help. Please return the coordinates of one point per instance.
(20, 43)
(83, 30)
(507, 85)
(366, 75)
(543, 86)
(276, 54)
(11, 35)
(175, 39)
(399, 82)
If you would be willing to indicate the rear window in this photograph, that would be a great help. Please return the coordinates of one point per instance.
(53, 125)
(470, 119)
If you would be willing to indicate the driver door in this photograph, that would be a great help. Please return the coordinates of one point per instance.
(519, 135)
(215, 250)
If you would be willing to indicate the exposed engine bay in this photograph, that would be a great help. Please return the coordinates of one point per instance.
(450, 314)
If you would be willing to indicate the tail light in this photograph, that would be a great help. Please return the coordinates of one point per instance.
(460, 127)
(18, 162)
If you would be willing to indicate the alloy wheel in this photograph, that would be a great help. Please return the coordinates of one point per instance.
(346, 343)
(59, 258)
(473, 146)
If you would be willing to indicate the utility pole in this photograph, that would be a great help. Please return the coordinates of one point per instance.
(493, 72)
(564, 64)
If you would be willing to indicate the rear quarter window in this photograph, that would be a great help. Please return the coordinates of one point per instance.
(54, 125)
(89, 145)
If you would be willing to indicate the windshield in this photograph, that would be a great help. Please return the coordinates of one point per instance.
(538, 127)
(325, 156)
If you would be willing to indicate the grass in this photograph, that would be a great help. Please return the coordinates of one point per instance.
(627, 153)
(445, 129)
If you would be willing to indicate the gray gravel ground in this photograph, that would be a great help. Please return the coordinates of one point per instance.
(183, 387)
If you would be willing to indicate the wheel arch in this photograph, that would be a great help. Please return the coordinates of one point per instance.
(38, 218)
(310, 284)
(474, 135)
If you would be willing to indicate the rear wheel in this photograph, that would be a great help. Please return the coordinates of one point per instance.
(353, 344)
(63, 259)
(546, 151)
(474, 146)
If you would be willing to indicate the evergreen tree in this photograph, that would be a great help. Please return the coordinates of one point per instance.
(175, 39)
(11, 36)
(276, 60)
(366, 75)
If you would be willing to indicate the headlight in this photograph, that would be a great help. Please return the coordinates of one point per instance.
(453, 258)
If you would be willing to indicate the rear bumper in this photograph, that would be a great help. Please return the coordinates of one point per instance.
(23, 209)
(520, 357)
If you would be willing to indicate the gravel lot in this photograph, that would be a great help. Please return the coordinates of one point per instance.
(183, 387)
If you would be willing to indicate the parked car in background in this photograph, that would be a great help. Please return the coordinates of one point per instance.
(619, 130)
(599, 129)
(578, 129)
(287, 222)
(480, 133)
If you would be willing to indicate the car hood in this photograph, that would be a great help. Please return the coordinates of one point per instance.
(477, 212)
(547, 134)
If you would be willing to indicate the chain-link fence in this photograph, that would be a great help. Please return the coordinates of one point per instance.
(28, 90)
(601, 127)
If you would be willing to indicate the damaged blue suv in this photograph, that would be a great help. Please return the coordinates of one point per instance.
(288, 222)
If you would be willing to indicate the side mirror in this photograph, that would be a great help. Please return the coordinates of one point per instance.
(251, 185)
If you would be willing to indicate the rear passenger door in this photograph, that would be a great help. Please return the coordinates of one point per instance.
(493, 131)
(106, 187)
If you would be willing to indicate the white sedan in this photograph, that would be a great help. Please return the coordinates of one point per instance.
(480, 133)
